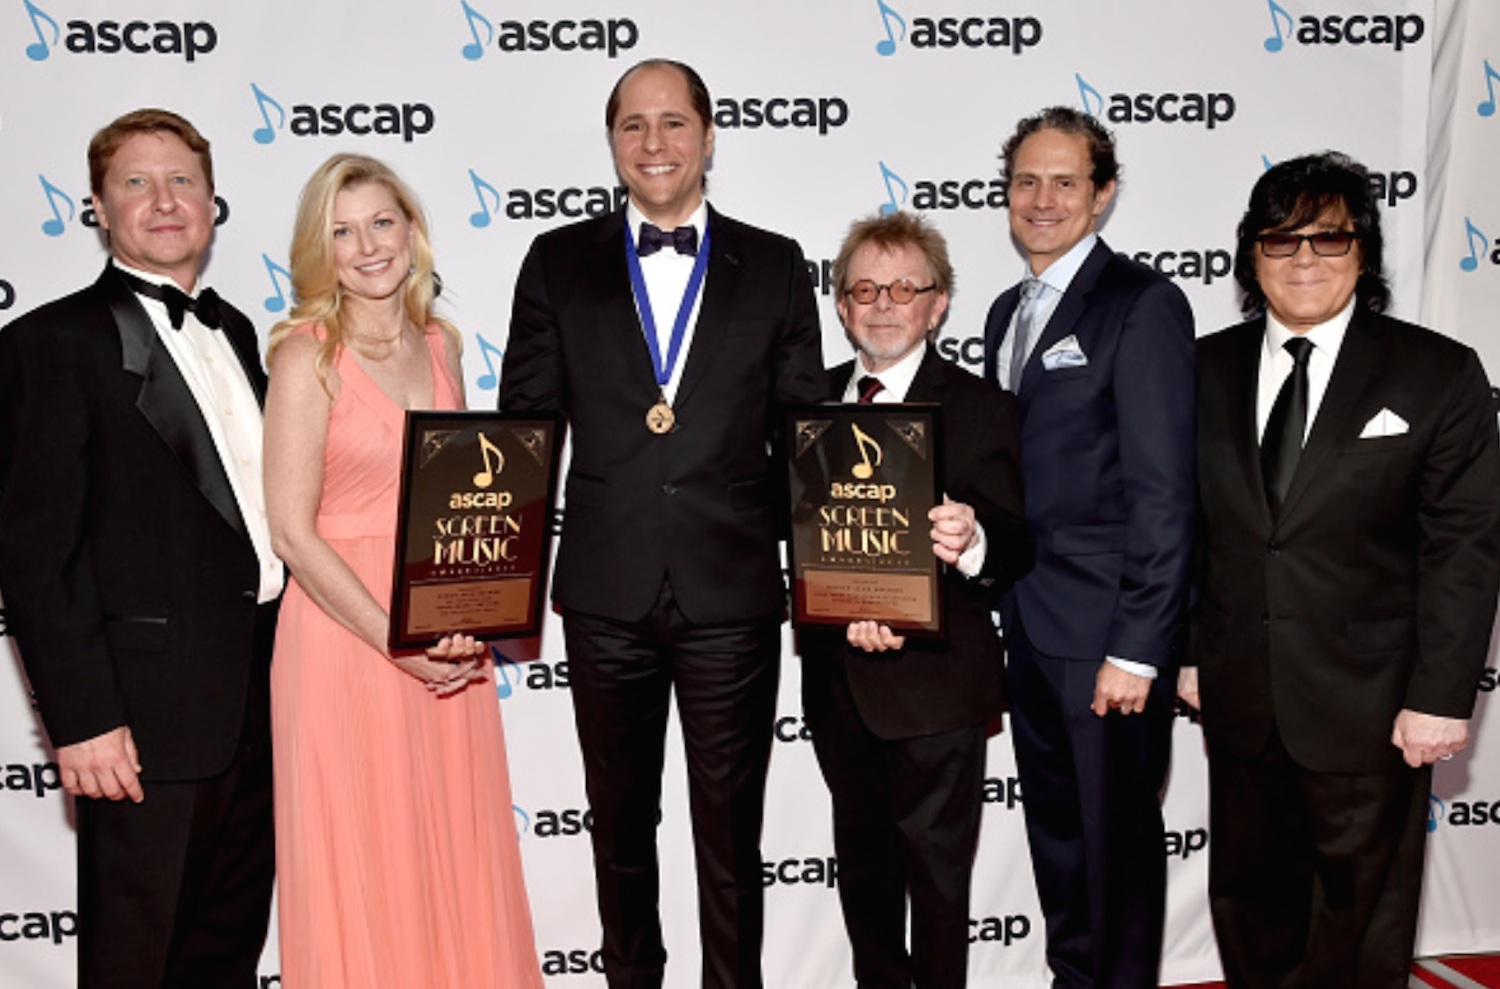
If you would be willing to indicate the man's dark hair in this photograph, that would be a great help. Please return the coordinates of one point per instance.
(1295, 193)
(1104, 166)
(697, 90)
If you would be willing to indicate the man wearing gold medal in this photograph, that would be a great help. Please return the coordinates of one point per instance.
(668, 333)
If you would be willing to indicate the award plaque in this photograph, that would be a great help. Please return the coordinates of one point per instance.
(473, 535)
(862, 480)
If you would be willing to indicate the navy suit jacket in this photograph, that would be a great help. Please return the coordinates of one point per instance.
(129, 578)
(1109, 465)
(700, 502)
(1374, 588)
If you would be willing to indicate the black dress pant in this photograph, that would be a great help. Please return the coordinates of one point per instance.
(623, 677)
(906, 816)
(175, 892)
(1314, 878)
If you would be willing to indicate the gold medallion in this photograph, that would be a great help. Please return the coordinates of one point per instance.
(660, 418)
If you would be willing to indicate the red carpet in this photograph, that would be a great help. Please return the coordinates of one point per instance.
(1465, 972)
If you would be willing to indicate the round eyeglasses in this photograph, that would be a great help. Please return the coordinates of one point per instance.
(901, 291)
(1324, 243)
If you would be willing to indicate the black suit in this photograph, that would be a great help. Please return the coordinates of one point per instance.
(131, 584)
(900, 736)
(1109, 477)
(1372, 591)
(668, 573)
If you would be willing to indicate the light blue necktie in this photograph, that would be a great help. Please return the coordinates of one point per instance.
(1031, 293)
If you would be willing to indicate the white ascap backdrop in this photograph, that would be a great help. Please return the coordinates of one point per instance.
(493, 110)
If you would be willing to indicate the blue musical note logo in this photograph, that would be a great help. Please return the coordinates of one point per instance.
(267, 133)
(1487, 108)
(474, 50)
(55, 226)
(276, 302)
(1478, 245)
(490, 379)
(523, 820)
(887, 45)
(481, 217)
(1278, 14)
(891, 204)
(504, 670)
(1093, 106)
(39, 50)
(1266, 162)
(1436, 811)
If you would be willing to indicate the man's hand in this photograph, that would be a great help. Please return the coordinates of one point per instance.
(1425, 738)
(874, 637)
(952, 529)
(1117, 689)
(1187, 686)
(103, 767)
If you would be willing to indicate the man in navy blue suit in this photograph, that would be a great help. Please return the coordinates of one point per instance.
(1099, 352)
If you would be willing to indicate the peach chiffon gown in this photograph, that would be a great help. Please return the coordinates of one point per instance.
(396, 853)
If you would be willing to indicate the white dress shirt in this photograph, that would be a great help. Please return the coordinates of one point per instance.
(1276, 364)
(216, 378)
(666, 274)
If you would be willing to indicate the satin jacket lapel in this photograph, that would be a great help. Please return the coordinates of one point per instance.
(838, 379)
(1241, 381)
(165, 400)
(721, 286)
(1358, 360)
(619, 321)
(241, 336)
(1070, 308)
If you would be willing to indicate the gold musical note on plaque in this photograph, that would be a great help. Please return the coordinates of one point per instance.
(486, 477)
(864, 471)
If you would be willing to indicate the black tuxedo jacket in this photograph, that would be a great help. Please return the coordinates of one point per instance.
(697, 504)
(930, 686)
(1375, 588)
(1109, 465)
(129, 579)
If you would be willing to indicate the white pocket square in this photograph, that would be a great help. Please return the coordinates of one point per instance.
(1064, 353)
(1384, 423)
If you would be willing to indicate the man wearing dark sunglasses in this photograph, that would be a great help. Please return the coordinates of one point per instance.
(1349, 554)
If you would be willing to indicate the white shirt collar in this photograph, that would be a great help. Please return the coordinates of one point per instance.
(895, 380)
(153, 278)
(1059, 274)
(1326, 337)
(634, 217)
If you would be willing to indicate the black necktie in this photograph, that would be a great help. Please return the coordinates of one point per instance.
(684, 240)
(178, 302)
(869, 386)
(1281, 446)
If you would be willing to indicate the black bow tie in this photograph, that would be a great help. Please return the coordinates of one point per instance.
(179, 303)
(684, 240)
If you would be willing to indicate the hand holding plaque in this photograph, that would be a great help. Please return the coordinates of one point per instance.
(474, 533)
(862, 480)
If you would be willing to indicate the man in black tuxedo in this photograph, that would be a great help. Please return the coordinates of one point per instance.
(899, 724)
(1349, 554)
(138, 577)
(1099, 352)
(667, 332)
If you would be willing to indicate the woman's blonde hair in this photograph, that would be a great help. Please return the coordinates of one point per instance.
(315, 281)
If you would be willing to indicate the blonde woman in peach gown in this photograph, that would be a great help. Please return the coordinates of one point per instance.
(396, 853)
